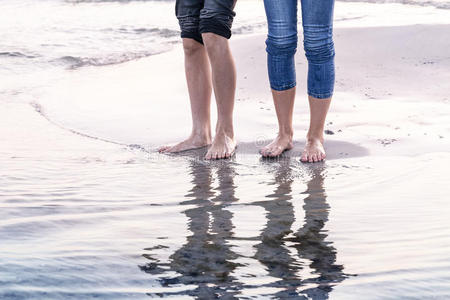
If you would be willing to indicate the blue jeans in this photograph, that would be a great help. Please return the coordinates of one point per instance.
(317, 20)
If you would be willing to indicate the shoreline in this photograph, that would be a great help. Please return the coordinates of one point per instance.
(151, 109)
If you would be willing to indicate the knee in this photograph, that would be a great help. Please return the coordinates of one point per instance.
(281, 45)
(211, 39)
(214, 43)
(318, 44)
(191, 47)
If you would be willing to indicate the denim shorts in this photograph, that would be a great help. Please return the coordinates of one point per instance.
(200, 16)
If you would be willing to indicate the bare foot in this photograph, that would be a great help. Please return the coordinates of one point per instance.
(280, 144)
(314, 151)
(223, 146)
(193, 142)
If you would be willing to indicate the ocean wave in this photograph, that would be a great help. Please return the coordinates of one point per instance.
(17, 54)
(443, 4)
(75, 62)
(161, 32)
(124, 1)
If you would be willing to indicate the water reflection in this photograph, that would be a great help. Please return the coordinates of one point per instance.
(309, 242)
(206, 259)
(302, 263)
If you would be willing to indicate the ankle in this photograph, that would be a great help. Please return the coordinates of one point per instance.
(315, 136)
(203, 134)
(286, 133)
(225, 130)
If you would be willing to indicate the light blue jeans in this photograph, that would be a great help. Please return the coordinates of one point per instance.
(317, 20)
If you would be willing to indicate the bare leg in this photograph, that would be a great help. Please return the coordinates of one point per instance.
(198, 76)
(224, 83)
(314, 150)
(284, 106)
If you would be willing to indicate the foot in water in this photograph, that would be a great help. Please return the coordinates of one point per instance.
(280, 144)
(223, 146)
(314, 150)
(193, 142)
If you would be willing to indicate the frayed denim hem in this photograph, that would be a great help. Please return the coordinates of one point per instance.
(283, 87)
(320, 96)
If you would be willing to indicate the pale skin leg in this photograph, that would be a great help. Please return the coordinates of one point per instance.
(199, 60)
(224, 83)
(284, 106)
(314, 150)
(198, 77)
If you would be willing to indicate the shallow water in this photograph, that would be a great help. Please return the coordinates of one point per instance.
(107, 221)
(54, 35)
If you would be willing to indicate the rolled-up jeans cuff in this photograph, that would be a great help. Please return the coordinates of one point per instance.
(189, 28)
(215, 25)
(217, 31)
(192, 35)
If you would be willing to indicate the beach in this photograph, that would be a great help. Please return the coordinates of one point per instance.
(91, 210)
(392, 96)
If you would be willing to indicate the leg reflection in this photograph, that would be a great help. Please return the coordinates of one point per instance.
(272, 251)
(206, 259)
(309, 242)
